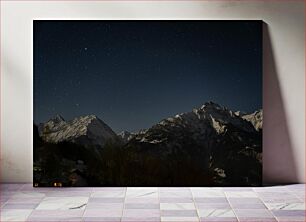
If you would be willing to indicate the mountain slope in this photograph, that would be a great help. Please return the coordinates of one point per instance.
(125, 136)
(210, 145)
(256, 118)
(84, 130)
(216, 140)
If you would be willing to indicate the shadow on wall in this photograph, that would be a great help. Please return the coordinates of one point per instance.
(278, 160)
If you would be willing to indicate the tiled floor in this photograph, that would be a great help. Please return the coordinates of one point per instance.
(22, 202)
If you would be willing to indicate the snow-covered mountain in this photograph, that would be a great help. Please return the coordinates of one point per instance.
(256, 118)
(240, 113)
(211, 145)
(201, 123)
(85, 130)
(212, 136)
(125, 136)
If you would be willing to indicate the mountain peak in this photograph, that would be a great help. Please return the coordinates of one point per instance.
(210, 104)
(124, 132)
(57, 119)
(92, 116)
(240, 113)
(89, 117)
(86, 119)
(86, 130)
(256, 118)
(125, 135)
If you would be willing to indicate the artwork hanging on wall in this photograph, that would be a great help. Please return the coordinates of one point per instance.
(147, 103)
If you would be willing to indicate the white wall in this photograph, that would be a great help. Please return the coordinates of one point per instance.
(284, 81)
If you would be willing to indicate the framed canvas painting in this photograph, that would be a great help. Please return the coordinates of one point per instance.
(147, 103)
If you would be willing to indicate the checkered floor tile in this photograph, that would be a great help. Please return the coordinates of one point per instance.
(22, 202)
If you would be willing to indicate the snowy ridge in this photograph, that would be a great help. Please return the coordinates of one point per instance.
(201, 124)
(209, 115)
(125, 136)
(213, 137)
(255, 118)
(86, 130)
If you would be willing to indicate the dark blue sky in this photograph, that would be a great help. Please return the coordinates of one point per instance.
(132, 74)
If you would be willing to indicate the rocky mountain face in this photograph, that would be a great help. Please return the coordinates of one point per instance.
(84, 130)
(210, 145)
(216, 139)
(255, 118)
(125, 136)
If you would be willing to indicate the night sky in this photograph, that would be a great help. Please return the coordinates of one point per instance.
(132, 74)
